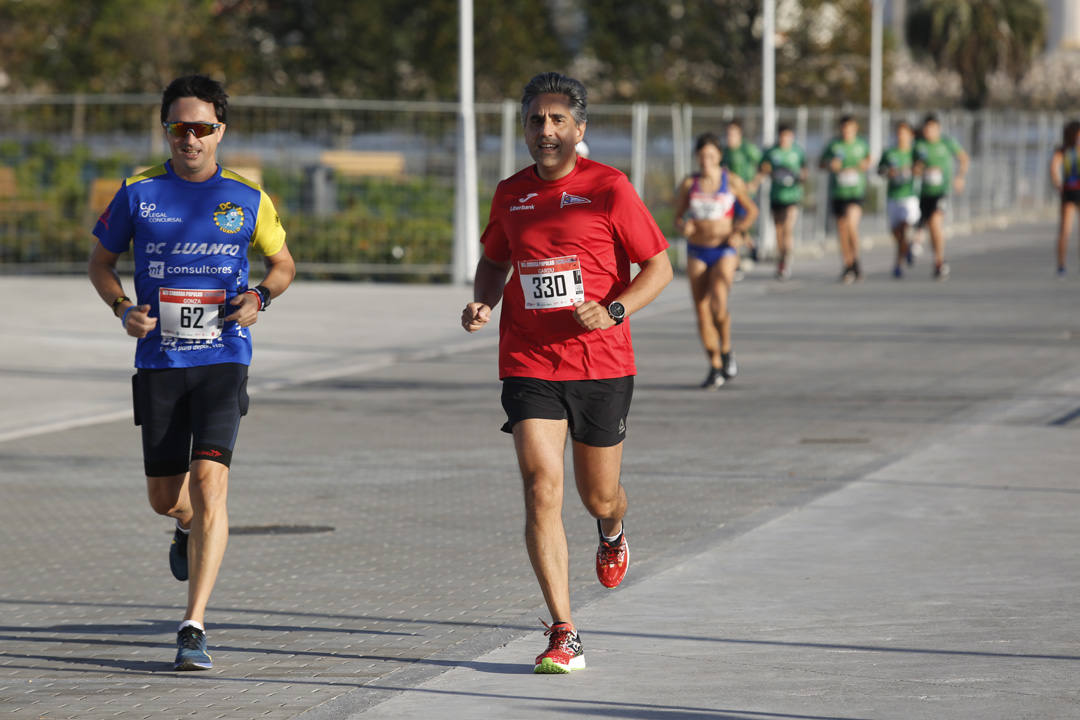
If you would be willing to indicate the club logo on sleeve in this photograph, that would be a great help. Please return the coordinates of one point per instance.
(157, 269)
(568, 199)
(229, 217)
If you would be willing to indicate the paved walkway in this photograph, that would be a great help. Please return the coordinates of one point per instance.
(876, 520)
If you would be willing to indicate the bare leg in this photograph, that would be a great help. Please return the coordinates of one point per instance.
(209, 485)
(596, 472)
(900, 233)
(785, 231)
(853, 216)
(697, 273)
(720, 279)
(540, 445)
(937, 236)
(169, 496)
(843, 232)
(1068, 210)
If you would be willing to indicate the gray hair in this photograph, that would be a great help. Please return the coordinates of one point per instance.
(556, 84)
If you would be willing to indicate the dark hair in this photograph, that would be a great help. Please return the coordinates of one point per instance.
(931, 118)
(556, 84)
(783, 128)
(735, 122)
(198, 86)
(904, 124)
(846, 118)
(1070, 134)
(707, 139)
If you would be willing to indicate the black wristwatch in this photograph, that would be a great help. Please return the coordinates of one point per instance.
(617, 312)
(264, 295)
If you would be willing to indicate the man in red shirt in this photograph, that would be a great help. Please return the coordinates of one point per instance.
(567, 229)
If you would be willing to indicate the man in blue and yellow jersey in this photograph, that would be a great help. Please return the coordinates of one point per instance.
(190, 223)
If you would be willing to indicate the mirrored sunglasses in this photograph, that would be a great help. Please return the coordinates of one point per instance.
(180, 129)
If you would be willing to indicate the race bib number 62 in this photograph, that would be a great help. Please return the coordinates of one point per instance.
(551, 283)
(191, 314)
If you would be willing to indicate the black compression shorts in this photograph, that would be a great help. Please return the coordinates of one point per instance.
(928, 205)
(596, 410)
(840, 205)
(189, 414)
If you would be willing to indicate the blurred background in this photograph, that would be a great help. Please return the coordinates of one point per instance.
(347, 112)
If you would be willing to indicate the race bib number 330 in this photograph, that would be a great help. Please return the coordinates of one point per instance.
(551, 283)
(191, 314)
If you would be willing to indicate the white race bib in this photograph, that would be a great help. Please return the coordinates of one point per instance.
(933, 176)
(551, 283)
(191, 314)
(848, 178)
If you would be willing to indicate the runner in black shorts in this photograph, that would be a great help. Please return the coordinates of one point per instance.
(846, 158)
(595, 410)
(187, 414)
(840, 206)
(568, 229)
(1065, 174)
(190, 224)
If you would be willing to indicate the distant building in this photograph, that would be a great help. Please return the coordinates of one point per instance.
(1063, 27)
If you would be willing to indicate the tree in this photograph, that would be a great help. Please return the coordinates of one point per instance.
(977, 38)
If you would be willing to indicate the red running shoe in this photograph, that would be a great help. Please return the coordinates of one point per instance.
(612, 562)
(564, 651)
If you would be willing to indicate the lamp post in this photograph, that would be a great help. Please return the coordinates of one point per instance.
(466, 251)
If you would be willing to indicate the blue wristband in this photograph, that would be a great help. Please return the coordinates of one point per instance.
(123, 318)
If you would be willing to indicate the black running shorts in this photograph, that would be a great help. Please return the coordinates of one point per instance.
(189, 414)
(928, 205)
(1070, 196)
(596, 410)
(840, 206)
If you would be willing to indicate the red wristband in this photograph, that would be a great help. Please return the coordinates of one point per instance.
(257, 294)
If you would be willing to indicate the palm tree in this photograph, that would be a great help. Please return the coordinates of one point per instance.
(976, 38)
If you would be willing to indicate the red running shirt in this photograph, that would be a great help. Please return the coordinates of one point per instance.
(569, 240)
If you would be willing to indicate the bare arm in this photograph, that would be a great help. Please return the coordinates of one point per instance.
(682, 202)
(764, 171)
(105, 279)
(488, 284)
(741, 194)
(1055, 168)
(655, 274)
(963, 161)
(280, 271)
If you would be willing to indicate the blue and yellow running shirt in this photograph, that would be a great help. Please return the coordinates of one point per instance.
(191, 242)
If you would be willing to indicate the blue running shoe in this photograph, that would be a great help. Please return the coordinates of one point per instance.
(191, 650)
(1061, 273)
(178, 555)
(898, 272)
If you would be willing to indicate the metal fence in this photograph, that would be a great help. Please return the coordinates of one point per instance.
(366, 188)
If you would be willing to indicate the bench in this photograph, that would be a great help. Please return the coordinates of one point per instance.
(101, 194)
(357, 163)
(12, 208)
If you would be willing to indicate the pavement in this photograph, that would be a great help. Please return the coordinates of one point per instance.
(876, 519)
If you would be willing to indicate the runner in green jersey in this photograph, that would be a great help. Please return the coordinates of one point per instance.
(934, 155)
(847, 158)
(785, 164)
(741, 157)
(897, 167)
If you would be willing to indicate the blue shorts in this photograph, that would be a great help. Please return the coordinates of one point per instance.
(710, 255)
